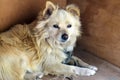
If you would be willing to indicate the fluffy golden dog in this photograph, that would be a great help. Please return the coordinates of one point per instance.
(41, 47)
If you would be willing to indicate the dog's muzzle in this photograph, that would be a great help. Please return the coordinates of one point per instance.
(64, 37)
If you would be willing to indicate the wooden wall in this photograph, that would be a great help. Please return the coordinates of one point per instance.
(101, 28)
(21, 11)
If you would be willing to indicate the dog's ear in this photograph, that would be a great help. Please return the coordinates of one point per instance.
(73, 9)
(50, 7)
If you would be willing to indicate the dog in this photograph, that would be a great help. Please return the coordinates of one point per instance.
(43, 46)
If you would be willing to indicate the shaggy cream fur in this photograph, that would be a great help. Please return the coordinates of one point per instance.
(38, 47)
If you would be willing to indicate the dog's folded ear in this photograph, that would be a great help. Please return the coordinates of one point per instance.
(73, 9)
(50, 7)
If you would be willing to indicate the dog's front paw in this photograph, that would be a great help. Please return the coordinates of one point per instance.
(93, 67)
(84, 71)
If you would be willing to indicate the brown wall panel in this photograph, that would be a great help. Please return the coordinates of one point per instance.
(101, 28)
(21, 11)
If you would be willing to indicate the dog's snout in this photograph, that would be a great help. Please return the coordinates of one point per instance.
(64, 37)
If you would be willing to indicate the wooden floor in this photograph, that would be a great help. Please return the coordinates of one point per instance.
(106, 71)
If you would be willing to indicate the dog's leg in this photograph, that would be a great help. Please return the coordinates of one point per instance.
(78, 62)
(72, 60)
(33, 76)
(67, 70)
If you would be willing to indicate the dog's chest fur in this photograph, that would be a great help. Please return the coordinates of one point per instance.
(22, 39)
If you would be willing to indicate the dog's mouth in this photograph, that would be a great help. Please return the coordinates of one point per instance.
(63, 41)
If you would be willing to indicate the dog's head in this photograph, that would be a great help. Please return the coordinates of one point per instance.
(61, 25)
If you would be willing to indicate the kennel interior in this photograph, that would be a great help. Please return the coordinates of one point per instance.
(100, 41)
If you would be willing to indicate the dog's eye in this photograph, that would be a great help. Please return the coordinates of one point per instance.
(56, 26)
(69, 26)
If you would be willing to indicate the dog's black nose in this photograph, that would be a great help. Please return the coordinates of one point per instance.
(64, 37)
